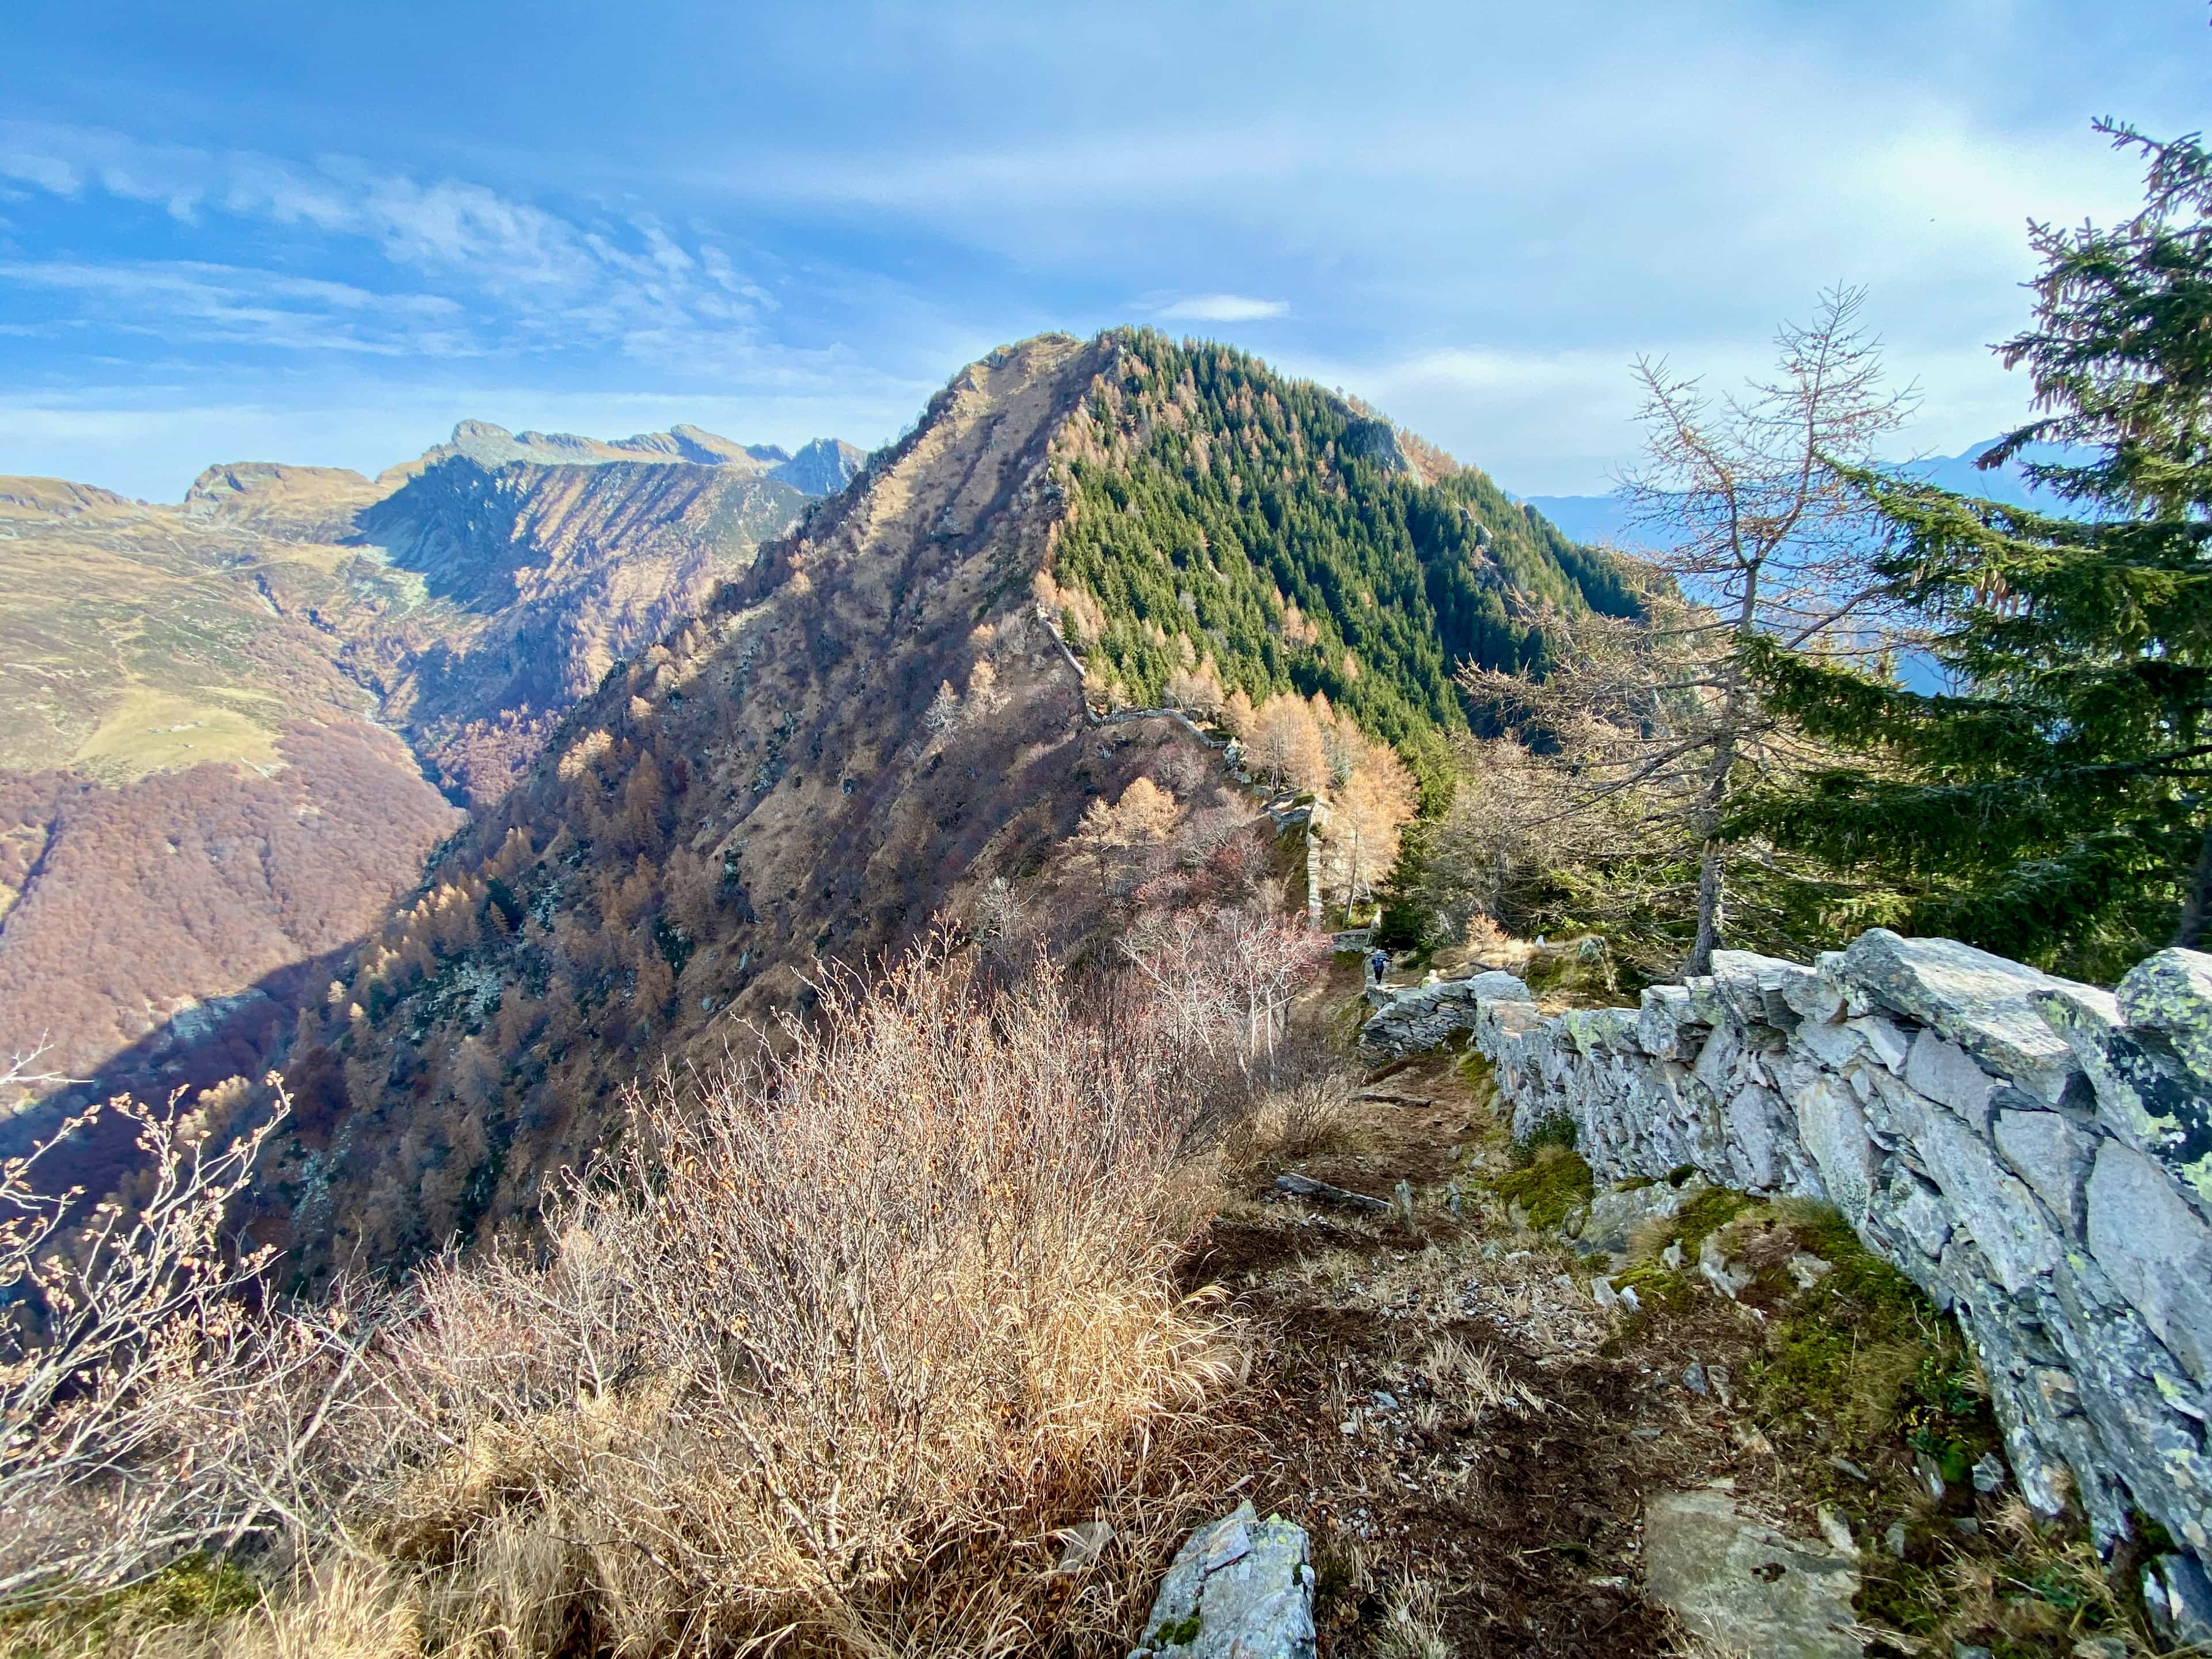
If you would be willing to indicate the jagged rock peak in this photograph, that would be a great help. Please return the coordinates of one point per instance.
(822, 468)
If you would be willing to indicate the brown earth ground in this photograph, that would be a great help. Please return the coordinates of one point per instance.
(1469, 1439)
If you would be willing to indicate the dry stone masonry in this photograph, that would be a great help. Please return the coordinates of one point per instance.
(2034, 1153)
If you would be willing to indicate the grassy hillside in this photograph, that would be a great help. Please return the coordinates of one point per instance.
(1300, 543)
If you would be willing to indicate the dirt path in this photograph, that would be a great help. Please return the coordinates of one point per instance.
(1468, 1438)
(1436, 1407)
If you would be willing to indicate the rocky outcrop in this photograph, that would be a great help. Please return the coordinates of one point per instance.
(822, 468)
(2032, 1151)
(1411, 1021)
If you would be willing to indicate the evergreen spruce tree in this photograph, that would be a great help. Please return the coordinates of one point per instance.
(2052, 802)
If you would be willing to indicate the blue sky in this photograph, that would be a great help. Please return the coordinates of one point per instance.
(323, 234)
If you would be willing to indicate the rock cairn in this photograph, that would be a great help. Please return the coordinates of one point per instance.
(2034, 1153)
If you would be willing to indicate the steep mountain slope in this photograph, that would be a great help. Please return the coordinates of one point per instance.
(756, 794)
(872, 725)
(224, 723)
(193, 792)
(1220, 511)
(536, 579)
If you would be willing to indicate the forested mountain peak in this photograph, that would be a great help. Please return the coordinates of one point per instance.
(1298, 541)
(881, 718)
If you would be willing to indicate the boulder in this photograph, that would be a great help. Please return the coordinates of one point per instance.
(1614, 1216)
(2143, 1051)
(1239, 1589)
(2172, 992)
(2178, 1598)
(1495, 985)
(1742, 1586)
(1425, 1017)
(2156, 1249)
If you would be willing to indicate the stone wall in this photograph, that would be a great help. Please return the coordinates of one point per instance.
(2035, 1153)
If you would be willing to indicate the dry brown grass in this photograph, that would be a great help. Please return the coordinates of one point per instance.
(828, 1323)
(820, 1360)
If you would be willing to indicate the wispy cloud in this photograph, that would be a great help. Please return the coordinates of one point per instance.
(1224, 308)
(189, 301)
(509, 276)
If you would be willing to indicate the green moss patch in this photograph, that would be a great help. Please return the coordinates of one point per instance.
(1554, 1180)
(194, 1591)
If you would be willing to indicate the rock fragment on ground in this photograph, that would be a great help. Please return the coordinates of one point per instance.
(1615, 1216)
(1741, 1586)
(1239, 1589)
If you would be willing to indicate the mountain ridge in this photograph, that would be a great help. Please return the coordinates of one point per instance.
(876, 725)
(902, 707)
(295, 648)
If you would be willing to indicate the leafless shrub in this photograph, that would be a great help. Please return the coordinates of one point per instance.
(127, 1356)
(1224, 977)
(827, 1319)
(831, 1345)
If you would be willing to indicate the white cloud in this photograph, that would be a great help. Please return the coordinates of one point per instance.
(190, 301)
(1224, 308)
(1478, 235)
(513, 275)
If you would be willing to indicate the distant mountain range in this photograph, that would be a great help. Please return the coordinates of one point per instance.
(230, 728)
(822, 468)
(1605, 518)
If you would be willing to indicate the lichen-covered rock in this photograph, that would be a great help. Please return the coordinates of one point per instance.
(2148, 1055)
(1744, 1587)
(1979, 1001)
(2178, 1598)
(2172, 992)
(2153, 1245)
(1239, 1589)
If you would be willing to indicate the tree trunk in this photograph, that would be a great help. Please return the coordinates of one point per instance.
(2197, 909)
(1711, 914)
(1710, 911)
(1712, 895)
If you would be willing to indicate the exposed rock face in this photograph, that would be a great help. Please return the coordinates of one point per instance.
(822, 468)
(547, 575)
(1241, 1589)
(494, 447)
(1742, 1585)
(2031, 1152)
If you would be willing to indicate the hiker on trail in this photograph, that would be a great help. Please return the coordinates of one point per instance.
(1379, 965)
